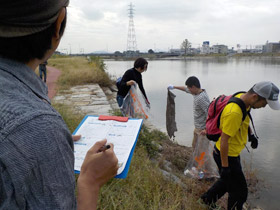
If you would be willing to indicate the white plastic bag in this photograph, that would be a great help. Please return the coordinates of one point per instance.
(202, 165)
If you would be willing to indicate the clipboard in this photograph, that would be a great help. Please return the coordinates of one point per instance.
(121, 131)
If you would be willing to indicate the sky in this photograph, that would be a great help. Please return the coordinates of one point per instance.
(161, 25)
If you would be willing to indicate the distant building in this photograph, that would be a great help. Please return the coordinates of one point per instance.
(211, 50)
(258, 49)
(205, 49)
(194, 51)
(239, 51)
(271, 47)
(231, 51)
(220, 49)
(177, 51)
(247, 51)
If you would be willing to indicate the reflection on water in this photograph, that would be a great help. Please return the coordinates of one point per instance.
(217, 76)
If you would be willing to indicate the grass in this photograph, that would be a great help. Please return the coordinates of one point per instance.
(145, 186)
(80, 71)
(72, 120)
(142, 189)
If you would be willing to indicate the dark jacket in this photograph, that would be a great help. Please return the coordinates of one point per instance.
(131, 74)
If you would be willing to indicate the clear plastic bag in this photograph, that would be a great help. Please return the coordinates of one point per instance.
(202, 165)
(135, 105)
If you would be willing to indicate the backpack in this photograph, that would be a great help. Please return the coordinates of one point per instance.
(118, 82)
(215, 109)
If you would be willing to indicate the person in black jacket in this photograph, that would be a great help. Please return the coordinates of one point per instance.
(43, 70)
(132, 77)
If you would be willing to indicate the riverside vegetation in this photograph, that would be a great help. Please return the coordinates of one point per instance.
(155, 179)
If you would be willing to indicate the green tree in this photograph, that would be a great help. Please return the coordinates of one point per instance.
(186, 45)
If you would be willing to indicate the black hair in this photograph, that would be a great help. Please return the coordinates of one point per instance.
(140, 63)
(26, 48)
(192, 81)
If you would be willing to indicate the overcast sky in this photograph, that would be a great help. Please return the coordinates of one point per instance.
(102, 25)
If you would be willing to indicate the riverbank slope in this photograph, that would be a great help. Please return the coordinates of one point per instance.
(155, 179)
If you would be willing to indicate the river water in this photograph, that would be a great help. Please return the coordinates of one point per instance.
(218, 76)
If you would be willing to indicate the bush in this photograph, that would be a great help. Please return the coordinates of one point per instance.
(150, 140)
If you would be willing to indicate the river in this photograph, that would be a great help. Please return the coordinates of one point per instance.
(218, 76)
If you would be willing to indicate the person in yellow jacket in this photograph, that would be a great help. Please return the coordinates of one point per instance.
(233, 140)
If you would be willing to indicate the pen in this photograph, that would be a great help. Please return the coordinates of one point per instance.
(104, 147)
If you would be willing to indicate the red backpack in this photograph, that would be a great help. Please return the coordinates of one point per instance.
(215, 109)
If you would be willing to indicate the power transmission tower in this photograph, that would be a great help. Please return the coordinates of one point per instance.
(131, 38)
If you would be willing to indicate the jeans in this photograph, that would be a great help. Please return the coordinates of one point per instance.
(236, 186)
(120, 100)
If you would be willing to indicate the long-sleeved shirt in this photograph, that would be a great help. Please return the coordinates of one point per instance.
(36, 147)
(131, 74)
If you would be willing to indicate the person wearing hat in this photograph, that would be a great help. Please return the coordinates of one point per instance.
(233, 140)
(37, 165)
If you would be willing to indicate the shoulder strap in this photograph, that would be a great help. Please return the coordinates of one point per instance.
(250, 116)
(235, 100)
(238, 93)
(241, 104)
(215, 104)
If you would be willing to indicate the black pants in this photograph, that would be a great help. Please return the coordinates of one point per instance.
(236, 187)
(43, 71)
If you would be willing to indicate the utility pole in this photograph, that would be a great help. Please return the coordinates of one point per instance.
(69, 49)
(131, 38)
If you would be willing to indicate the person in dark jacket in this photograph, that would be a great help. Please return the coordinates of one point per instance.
(43, 70)
(132, 77)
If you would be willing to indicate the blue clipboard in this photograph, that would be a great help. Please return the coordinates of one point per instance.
(124, 173)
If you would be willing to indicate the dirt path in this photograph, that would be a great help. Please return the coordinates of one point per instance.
(52, 76)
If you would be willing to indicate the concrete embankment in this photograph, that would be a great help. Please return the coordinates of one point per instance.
(89, 99)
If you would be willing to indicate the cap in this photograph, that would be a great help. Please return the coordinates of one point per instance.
(25, 17)
(269, 91)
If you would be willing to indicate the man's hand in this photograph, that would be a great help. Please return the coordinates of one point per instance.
(254, 141)
(203, 132)
(148, 104)
(170, 87)
(97, 169)
(224, 149)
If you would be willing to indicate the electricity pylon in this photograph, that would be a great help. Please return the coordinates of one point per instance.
(131, 37)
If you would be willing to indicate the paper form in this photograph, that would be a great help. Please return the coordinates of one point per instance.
(122, 134)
